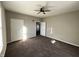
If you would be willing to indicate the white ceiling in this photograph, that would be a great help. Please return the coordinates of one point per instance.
(28, 7)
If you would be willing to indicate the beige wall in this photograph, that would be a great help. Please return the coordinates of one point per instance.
(28, 22)
(2, 16)
(64, 27)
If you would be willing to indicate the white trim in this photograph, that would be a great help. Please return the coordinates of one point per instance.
(64, 41)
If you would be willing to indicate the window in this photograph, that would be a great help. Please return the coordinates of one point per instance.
(1, 44)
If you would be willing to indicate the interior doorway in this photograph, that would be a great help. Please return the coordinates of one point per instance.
(40, 28)
(37, 28)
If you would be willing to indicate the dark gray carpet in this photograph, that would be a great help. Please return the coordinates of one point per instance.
(41, 47)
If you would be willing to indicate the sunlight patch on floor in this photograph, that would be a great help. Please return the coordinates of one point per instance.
(53, 41)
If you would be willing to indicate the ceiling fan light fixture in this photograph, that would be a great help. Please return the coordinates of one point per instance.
(43, 9)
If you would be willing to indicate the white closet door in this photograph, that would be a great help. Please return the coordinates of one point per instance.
(16, 29)
(43, 28)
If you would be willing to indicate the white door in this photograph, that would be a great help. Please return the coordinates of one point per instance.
(16, 29)
(43, 28)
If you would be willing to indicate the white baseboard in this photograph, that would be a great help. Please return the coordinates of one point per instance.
(13, 41)
(19, 39)
(65, 41)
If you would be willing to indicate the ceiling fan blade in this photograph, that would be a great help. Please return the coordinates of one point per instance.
(44, 13)
(46, 4)
(38, 12)
(39, 5)
(47, 10)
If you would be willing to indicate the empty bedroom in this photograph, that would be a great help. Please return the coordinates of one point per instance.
(39, 28)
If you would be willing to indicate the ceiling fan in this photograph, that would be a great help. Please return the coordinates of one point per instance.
(43, 9)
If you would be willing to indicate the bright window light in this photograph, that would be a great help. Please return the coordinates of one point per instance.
(1, 42)
(24, 33)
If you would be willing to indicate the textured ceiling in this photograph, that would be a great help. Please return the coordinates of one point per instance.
(28, 7)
